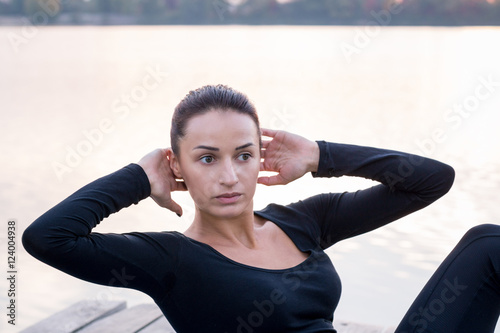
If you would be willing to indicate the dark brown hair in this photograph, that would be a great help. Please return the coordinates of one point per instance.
(207, 98)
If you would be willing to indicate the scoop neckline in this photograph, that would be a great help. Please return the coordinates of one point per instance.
(270, 270)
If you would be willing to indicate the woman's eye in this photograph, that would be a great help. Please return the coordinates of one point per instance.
(244, 157)
(207, 159)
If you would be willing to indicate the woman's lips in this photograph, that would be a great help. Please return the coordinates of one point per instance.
(228, 198)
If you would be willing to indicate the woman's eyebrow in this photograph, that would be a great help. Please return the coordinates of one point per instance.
(206, 147)
(217, 149)
(244, 146)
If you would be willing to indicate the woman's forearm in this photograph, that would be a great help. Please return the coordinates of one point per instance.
(428, 178)
(60, 227)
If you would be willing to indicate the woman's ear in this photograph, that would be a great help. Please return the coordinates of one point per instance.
(174, 163)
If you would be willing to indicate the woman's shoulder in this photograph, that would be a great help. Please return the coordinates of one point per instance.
(309, 209)
(295, 220)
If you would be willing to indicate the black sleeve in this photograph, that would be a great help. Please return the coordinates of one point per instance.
(63, 237)
(408, 183)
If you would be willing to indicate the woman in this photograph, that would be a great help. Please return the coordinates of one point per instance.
(236, 270)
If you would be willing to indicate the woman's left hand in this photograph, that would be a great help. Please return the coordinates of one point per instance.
(290, 155)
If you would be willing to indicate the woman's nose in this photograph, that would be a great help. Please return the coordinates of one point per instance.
(228, 174)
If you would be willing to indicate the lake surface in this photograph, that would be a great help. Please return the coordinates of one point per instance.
(80, 102)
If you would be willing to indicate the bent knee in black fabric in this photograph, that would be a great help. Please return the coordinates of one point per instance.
(463, 295)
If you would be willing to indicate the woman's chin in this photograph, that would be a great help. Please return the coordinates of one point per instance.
(229, 211)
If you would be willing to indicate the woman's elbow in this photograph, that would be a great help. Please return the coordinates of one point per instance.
(34, 242)
(443, 177)
(448, 177)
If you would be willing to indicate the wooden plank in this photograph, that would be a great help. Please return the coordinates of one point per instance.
(160, 325)
(111, 316)
(131, 320)
(76, 316)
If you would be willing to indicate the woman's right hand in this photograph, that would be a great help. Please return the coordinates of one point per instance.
(162, 180)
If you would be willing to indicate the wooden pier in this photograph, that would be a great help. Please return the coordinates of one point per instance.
(115, 317)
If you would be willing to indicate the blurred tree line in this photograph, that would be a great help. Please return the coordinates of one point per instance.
(320, 12)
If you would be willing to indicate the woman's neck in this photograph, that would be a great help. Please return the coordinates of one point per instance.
(234, 231)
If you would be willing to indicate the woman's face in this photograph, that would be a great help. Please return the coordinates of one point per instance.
(219, 162)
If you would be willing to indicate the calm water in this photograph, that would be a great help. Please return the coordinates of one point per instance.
(78, 103)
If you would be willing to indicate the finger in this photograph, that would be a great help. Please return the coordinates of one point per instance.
(265, 167)
(265, 143)
(180, 186)
(272, 180)
(174, 206)
(268, 132)
(263, 181)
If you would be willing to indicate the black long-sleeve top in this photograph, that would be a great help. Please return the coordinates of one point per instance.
(199, 289)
